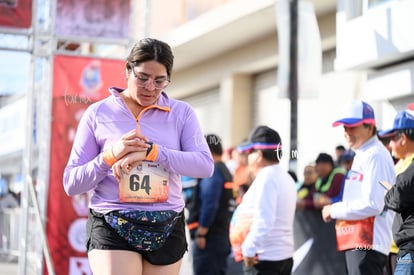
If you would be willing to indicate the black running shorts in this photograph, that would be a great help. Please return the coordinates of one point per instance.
(100, 235)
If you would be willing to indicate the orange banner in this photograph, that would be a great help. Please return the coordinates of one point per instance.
(77, 82)
(16, 13)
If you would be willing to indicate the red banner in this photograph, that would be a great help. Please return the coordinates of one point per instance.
(77, 82)
(93, 18)
(16, 13)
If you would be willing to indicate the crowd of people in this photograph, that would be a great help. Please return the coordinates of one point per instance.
(132, 149)
(346, 190)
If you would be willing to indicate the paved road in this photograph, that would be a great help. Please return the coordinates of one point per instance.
(186, 266)
(7, 268)
(10, 268)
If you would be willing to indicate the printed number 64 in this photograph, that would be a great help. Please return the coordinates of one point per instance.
(135, 184)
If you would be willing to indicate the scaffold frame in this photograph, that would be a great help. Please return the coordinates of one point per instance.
(43, 45)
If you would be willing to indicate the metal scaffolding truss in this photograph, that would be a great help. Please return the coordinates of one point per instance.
(41, 42)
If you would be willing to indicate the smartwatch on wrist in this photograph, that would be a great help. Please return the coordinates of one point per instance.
(149, 148)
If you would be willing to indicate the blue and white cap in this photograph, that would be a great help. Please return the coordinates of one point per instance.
(356, 113)
(403, 120)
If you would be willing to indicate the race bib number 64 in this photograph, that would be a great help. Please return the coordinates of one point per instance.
(146, 183)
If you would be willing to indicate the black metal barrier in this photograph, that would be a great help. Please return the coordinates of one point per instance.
(315, 246)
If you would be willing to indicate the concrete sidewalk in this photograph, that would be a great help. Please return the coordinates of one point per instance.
(9, 268)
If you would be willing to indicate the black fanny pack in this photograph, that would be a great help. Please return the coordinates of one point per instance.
(143, 230)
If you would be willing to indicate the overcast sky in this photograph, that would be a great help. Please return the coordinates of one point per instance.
(14, 72)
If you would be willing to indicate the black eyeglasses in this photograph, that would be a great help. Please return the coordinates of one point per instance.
(142, 80)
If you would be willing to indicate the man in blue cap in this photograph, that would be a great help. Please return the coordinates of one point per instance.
(400, 197)
(363, 226)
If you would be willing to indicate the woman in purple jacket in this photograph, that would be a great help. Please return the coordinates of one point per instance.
(130, 151)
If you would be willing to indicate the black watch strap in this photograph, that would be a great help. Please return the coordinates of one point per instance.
(149, 148)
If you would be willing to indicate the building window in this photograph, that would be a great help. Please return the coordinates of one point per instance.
(376, 3)
(328, 60)
(356, 8)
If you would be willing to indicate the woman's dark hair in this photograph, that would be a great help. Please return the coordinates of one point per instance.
(148, 49)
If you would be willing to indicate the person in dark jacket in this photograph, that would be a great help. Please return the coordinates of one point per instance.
(210, 212)
(400, 196)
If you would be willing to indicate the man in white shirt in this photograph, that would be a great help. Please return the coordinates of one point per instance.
(363, 225)
(270, 202)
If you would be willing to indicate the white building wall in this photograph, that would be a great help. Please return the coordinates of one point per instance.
(379, 35)
(378, 42)
(315, 131)
(315, 115)
(241, 104)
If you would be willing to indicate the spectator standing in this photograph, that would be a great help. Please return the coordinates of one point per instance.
(241, 176)
(230, 159)
(210, 212)
(314, 239)
(262, 226)
(400, 197)
(363, 225)
(339, 150)
(347, 159)
(329, 183)
(7, 200)
(241, 183)
(7, 197)
(392, 256)
(386, 141)
(307, 188)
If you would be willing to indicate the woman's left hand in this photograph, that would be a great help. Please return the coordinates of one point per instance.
(128, 162)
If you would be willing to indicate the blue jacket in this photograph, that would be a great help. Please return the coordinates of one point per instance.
(213, 202)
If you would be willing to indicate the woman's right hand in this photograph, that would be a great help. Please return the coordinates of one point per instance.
(129, 142)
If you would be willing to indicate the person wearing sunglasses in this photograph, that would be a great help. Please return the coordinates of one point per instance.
(130, 152)
(400, 197)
